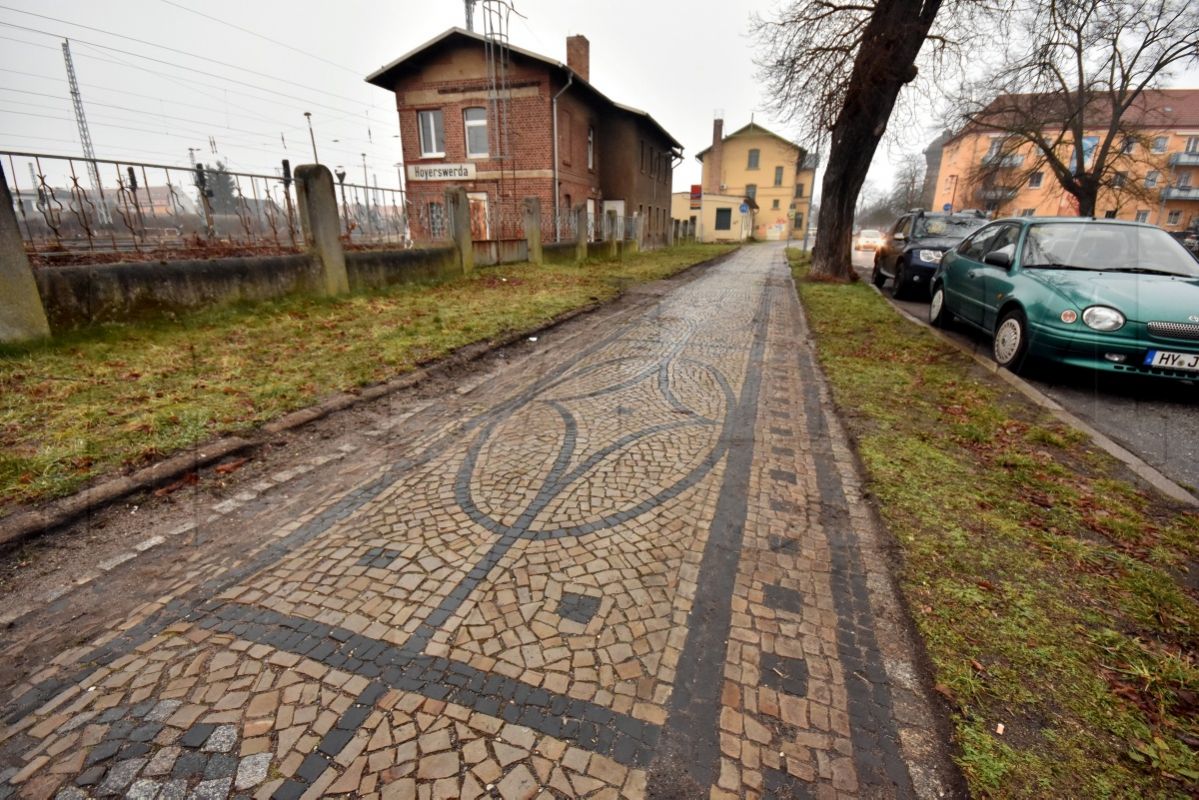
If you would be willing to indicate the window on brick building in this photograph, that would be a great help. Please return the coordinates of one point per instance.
(1119, 180)
(475, 122)
(798, 224)
(1174, 218)
(1027, 212)
(751, 191)
(1142, 216)
(1159, 144)
(799, 190)
(653, 163)
(1151, 179)
(724, 219)
(642, 155)
(754, 155)
(591, 148)
(437, 223)
(778, 176)
(1192, 144)
(1109, 214)
(432, 133)
(1184, 180)
(775, 203)
(1035, 180)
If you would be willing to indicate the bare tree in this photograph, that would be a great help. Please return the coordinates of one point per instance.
(836, 67)
(1078, 97)
(908, 187)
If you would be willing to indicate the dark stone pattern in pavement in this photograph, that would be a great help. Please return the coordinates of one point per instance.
(628, 575)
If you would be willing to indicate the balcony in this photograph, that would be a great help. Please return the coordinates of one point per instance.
(1184, 160)
(1180, 193)
(998, 192)
(1001, 161)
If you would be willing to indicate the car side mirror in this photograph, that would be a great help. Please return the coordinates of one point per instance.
(998, 258)
(900, 237)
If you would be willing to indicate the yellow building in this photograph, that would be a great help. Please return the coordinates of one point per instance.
(1157, 174)
(761, 170)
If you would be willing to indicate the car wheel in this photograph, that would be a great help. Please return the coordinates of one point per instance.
(1011, 341)
(877, 277)
(899, 284)
(938, 314)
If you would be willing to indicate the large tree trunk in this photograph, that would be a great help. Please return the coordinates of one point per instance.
(884, 63)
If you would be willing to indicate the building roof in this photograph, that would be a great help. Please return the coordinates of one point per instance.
(753, 128)
(385, 76)
(1153, 109)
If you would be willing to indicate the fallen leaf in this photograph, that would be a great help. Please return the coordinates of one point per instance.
(230, 466)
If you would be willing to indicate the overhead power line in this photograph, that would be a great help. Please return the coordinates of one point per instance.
(239, 68)
(181, 66)
(264, 38)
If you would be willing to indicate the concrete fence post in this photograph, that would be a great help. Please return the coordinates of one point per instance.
(580, 233)
(638, 233)
(22, 315)
(532, 223)
(673, 232)
(613, 236)
(321, 225)
(458, 206)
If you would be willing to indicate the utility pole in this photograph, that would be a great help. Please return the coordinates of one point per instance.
(191, 155)
(85, 136)
(312, 136)
(470, 15)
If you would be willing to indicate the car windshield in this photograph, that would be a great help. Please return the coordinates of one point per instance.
(1106, 247)
(948, 227)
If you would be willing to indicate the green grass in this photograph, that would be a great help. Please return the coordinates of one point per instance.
(1051, 594)
(121, 396)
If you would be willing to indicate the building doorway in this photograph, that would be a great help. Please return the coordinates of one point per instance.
(480, 221)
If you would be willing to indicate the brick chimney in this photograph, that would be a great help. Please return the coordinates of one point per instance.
(578, 55)
(714, 162)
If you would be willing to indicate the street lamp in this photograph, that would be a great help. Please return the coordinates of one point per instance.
(312, 136)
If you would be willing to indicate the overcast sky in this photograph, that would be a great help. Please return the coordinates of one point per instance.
(681, 61)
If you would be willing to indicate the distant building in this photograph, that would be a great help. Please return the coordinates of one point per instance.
(932, 169)
(607, 156)
(1157, 178)
(760, 170)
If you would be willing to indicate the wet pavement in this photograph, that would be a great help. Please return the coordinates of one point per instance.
(638, 565)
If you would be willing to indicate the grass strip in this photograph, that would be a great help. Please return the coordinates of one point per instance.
(1054, 597)
(121, 396)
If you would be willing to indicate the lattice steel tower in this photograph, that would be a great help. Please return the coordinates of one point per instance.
(499, 58)
(85, 136)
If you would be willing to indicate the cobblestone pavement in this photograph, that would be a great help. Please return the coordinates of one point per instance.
(643, 571)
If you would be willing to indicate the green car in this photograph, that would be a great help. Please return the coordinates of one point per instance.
(1100, 294)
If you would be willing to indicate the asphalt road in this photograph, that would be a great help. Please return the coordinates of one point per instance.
(1157, 420)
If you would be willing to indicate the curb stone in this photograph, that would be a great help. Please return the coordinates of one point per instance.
(1144, 471)
(30, 522)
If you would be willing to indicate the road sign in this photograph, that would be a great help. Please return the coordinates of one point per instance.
(947, 207)
(744, 208)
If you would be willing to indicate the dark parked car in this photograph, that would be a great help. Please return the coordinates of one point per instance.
(1188, 239)
(911, 250)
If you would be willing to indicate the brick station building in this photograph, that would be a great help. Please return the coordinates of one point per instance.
(609, 156)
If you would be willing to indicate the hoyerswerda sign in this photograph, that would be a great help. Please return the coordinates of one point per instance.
(441, 172)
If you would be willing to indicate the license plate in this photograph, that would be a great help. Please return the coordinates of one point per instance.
(1188, 362)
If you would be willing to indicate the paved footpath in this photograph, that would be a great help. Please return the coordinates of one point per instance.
(642, 568)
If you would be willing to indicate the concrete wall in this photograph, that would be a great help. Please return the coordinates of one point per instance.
(82, 295)
(561, 253)
(372, 269)
(502, 251)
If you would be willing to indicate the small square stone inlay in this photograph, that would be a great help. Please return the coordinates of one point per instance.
(578, 607)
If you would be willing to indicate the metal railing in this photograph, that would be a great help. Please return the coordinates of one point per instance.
(142, 210)
(373, 216)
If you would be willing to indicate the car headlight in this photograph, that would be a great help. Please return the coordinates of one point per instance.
(1103, 318)
(930, 256)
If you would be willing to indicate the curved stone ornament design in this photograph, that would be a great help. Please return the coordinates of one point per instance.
(597, 434)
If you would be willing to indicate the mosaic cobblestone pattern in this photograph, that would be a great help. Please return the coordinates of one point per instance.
(640, 565)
